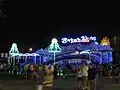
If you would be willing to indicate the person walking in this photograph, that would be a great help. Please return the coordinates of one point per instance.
(32, 71)
(92, 78)
(40, 74)
(79, 78)
(85, 75)
(49, 77)
(26, 70)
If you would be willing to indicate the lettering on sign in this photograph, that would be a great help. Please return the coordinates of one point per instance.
(77, 40)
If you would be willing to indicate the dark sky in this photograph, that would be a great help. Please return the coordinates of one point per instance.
(34, 24)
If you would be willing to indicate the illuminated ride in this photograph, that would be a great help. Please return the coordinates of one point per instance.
(75, 50)
(71, 50)
(29, 58)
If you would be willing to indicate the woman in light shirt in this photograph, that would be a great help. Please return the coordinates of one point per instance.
(49, 78)
(85, 76)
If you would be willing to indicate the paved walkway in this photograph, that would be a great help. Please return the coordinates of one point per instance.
(60, 84)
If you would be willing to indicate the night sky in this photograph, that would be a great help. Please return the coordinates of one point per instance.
(35, 24)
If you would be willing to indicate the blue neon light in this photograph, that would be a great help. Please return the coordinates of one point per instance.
(81, 39)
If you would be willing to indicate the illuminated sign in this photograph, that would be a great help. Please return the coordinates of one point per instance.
(77, 40)
(105, 41)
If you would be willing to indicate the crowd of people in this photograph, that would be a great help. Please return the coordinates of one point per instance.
(86, 74)
(43, 75)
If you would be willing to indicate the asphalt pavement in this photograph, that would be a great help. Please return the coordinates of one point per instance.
(14, 83)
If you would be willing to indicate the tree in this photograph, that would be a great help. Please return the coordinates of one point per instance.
(54, 47)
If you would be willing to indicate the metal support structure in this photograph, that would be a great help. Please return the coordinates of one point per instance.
(54, 57)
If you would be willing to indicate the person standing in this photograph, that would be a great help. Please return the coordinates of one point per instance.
(92, 78)
(79, 78)
(40, 74)
(85, 75)
(32, 71)
(16, 68)
(26, 70)
(49, 77)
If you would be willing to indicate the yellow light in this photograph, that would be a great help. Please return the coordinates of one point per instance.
(30, 49)
(105, 41)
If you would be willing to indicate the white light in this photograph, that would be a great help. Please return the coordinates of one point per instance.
(76, 52)
(112, 49)
(54, 40)
(14, 45)
(64, 40)
(26, 54)
(81, 39)
(30, 49)
(83, 52)
(96, 43)
(2, 54)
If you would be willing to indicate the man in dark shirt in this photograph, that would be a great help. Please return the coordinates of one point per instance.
(92, 72)
(92, 77)
(110, 71)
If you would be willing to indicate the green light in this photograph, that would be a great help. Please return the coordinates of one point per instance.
(14, 49)
(54, 47)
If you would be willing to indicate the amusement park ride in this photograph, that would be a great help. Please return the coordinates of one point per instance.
(84, 48)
